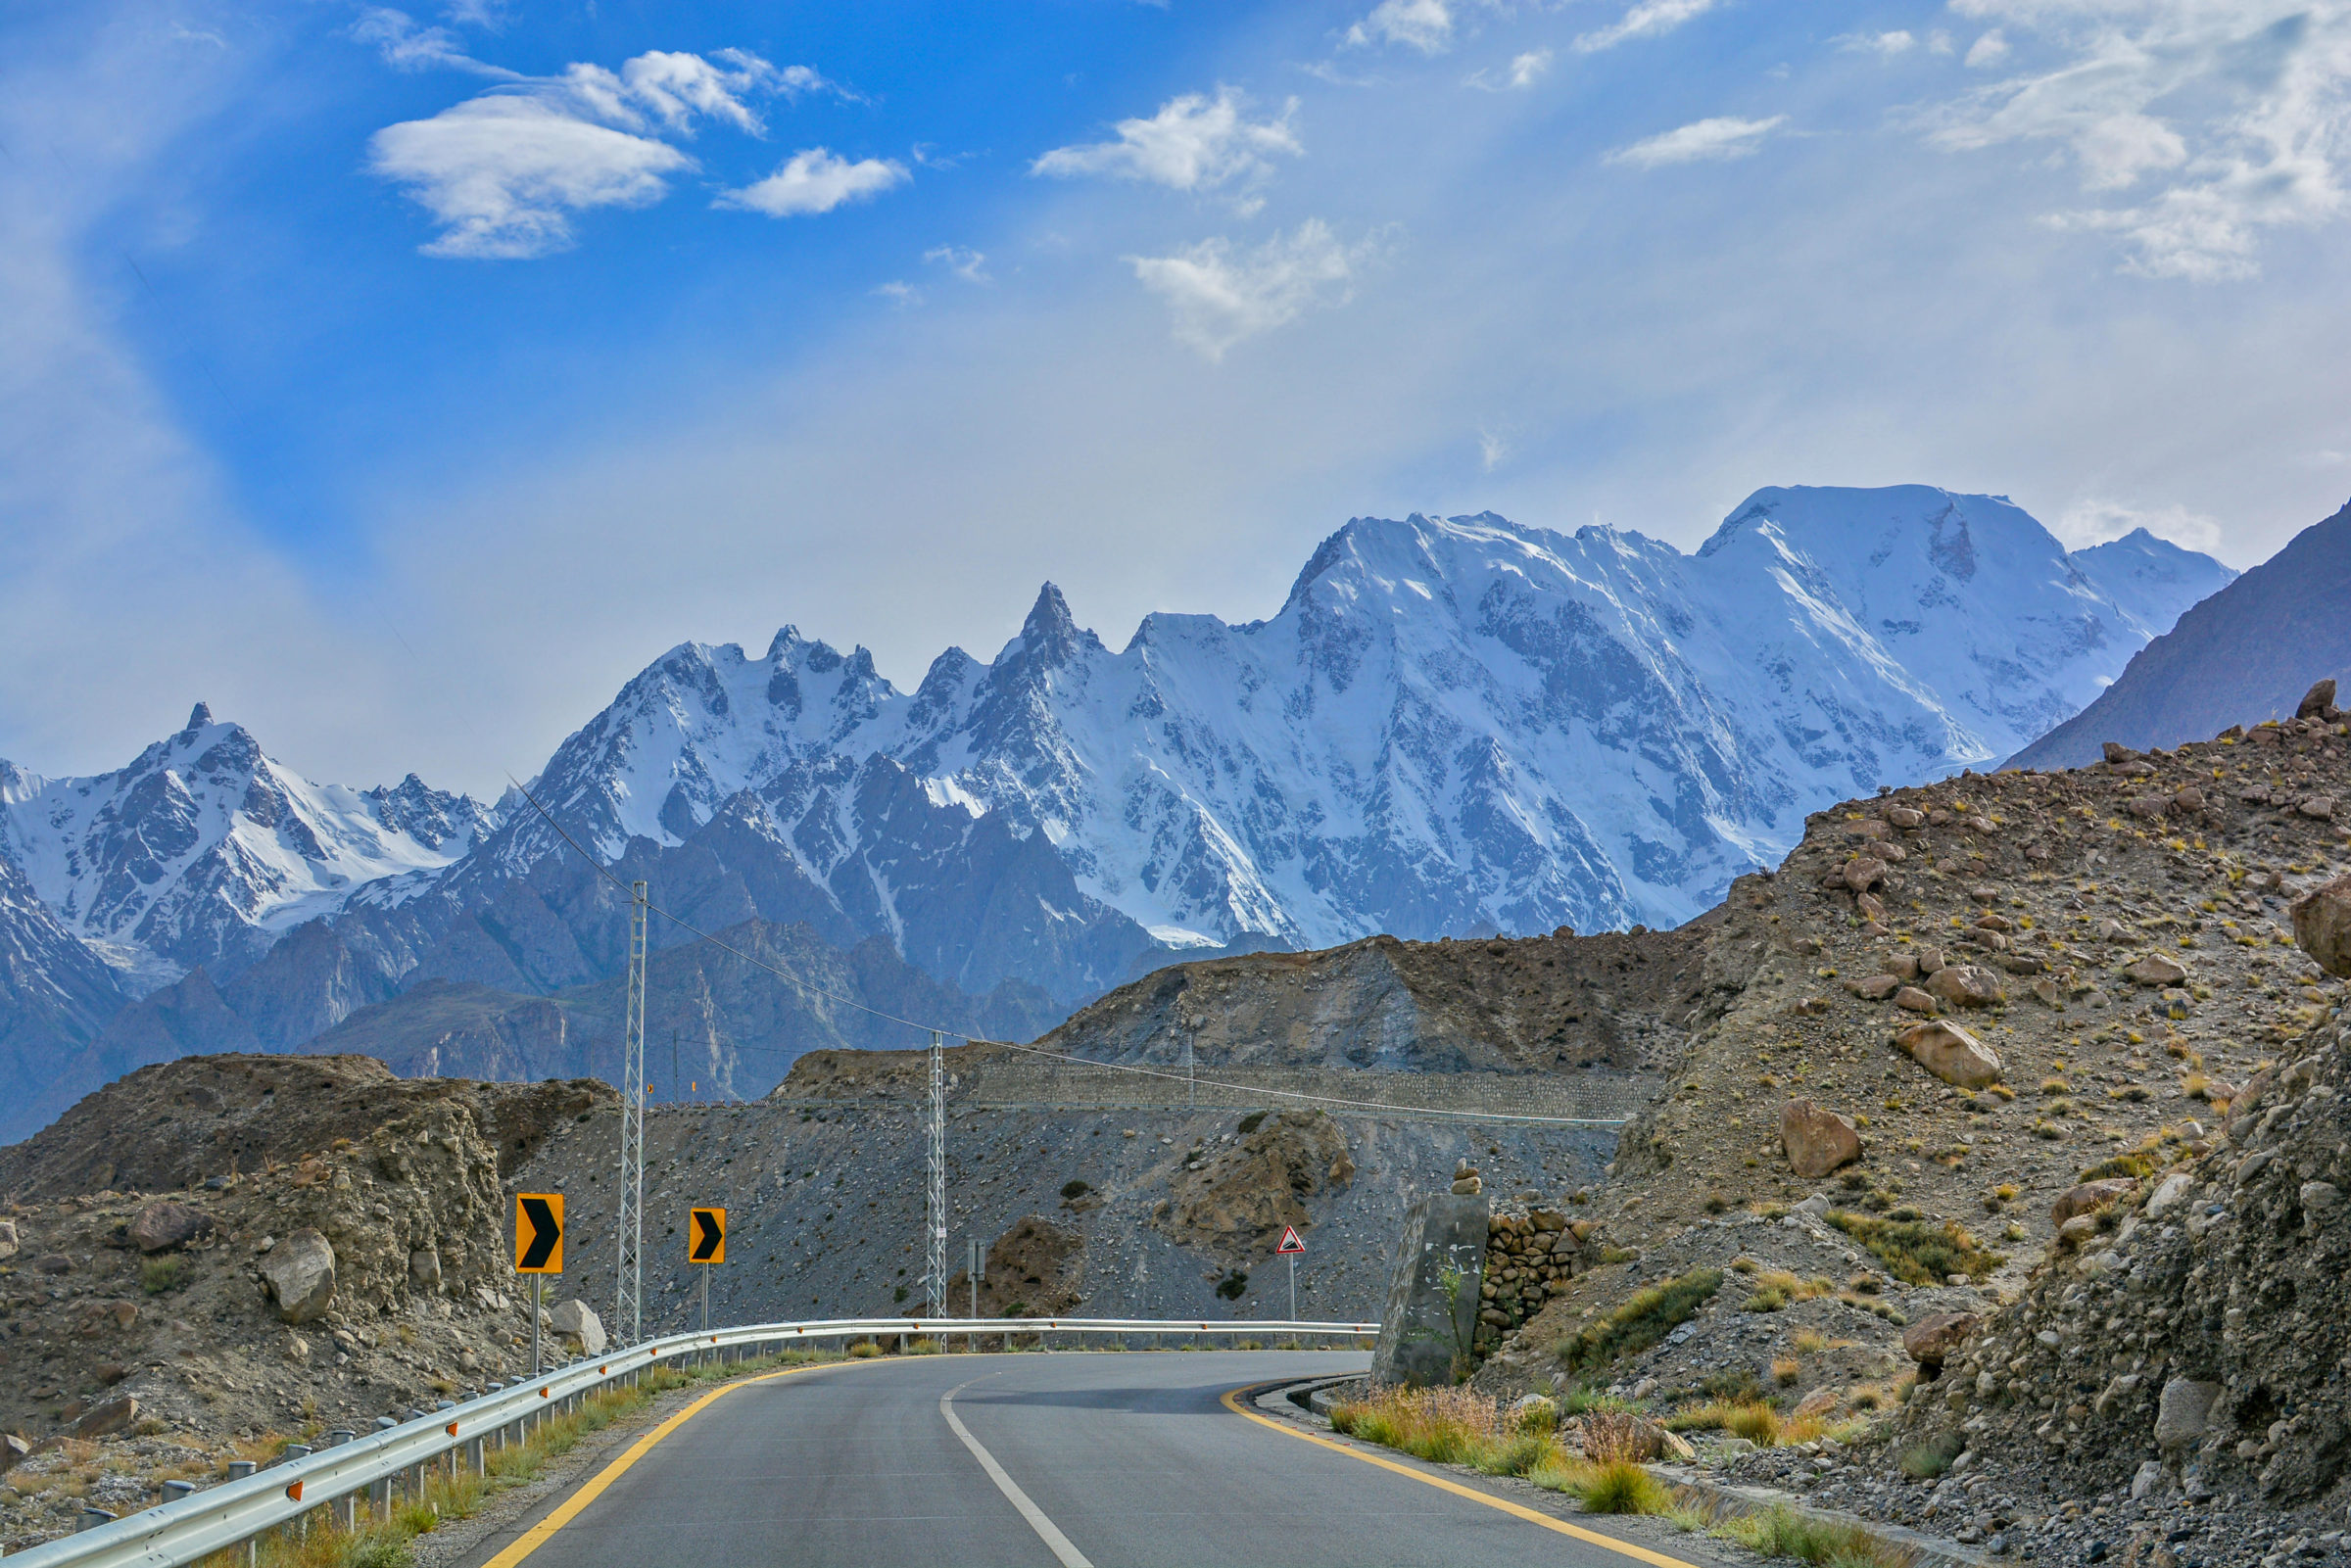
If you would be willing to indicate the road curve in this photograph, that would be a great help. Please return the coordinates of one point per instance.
(1129, 1459)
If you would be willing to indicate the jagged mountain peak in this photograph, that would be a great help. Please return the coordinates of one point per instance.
(198, 717)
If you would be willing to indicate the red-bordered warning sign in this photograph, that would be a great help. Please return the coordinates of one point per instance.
(1289, 1241)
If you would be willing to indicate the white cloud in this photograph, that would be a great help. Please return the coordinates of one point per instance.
(2231, 116)
(404, 45)
(1491, 450)
(1423, 24)
(968, 265)
(814, 180)
(1647, 20)
(1989, 50)
(1897, 42)
(1704, 140)
(1525, 71)
(503, 174)
(1193, 143)
(899, 291)
(1221, 295)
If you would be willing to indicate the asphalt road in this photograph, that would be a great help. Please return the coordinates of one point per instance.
(1122, 1460)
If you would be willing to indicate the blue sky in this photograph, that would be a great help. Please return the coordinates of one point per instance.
(400, 381)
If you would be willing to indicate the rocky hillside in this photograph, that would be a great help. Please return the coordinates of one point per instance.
(1992, 1017)
(2241, 656)
(338, 1254)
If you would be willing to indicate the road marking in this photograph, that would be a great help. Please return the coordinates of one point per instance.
(1655, 1559)
(1055, 1541)
(539, 1534)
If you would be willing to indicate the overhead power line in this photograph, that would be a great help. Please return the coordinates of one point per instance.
(809, 988)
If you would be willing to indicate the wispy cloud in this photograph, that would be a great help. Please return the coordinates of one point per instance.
(1221, 294)
(1989, 50)
(2229, 115)
(1899, 42)
(814, 181)
(1701, 141)
(2095, 519)
(968, 265)
(1523, 71)
(405, 45)
(503, 174)
(1423, 24)
(1647, 20)
(1193, 143)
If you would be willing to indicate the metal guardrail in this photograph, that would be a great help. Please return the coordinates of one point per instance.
(233, 1512)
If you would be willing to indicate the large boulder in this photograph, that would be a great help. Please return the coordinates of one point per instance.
(1965, 985)
(1426, 1333)
(2090, 1197)
(1951, 1053)
(2158, 968)
(166, 1224)
(575, 1322)
(1931, 1340)
(1817, 1140)
(2322, 925)
(301, 1275)
(2319, 702)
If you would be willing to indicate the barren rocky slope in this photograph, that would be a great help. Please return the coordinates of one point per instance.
(1988, 1007)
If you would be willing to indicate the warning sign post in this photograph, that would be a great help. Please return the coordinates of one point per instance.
(1291, 1249)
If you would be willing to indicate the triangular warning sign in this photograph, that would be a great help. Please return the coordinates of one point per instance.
(1289, 1241)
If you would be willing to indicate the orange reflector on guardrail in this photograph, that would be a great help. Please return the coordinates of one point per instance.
(294, 1491)
(547, 1394)
(451, 1429)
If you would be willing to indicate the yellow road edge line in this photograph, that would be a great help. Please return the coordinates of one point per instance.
(1655, 1559)
(539, 1534)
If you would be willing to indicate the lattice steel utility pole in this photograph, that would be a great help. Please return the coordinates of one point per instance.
(628, 1304)
(935, 1212)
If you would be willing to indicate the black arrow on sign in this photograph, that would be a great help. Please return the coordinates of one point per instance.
(544, 1233)
(706, 1237)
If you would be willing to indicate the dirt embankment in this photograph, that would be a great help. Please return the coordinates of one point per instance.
(179, 1123)
(1546, 1004)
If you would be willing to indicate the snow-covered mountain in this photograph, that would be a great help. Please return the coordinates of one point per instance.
(205, 851)
(1452, 725)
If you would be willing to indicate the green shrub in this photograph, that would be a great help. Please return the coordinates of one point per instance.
(1931, 1459)
(160, 1274)
(1646, 1318)
(1622, 1487)
(2140, 1165)
(1075, 1188)
(1917, 1251)
(1251, 1121)
(1779, 1531)
(1232, 1284)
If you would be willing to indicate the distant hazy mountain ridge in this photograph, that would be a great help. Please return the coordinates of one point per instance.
(2245, 654)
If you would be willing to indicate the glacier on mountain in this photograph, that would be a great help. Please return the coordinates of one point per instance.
(1452, 725)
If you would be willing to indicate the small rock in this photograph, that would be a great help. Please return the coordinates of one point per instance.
(298, 1349)
(2322, 925)
(2181, 1411)
(1951, 1054)
(12, 1450)
(166, 1224)
(1816, 1140)
(1877, 987)
(1965, 985)
(1864, 872)
(115, 1415)
(2167, 1193)
(1906, 817)
(301, 1275)
(2148, 1476)
(574, 1320)
(424, 1269)
(2317, 808)
(8, 1238)
(1930, 959)
(2318, 1196)
(53, 1264)
(2078, 1230)
(2157, 969)
(1911, 999)
(1932, 1339)
(2090, 1197)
